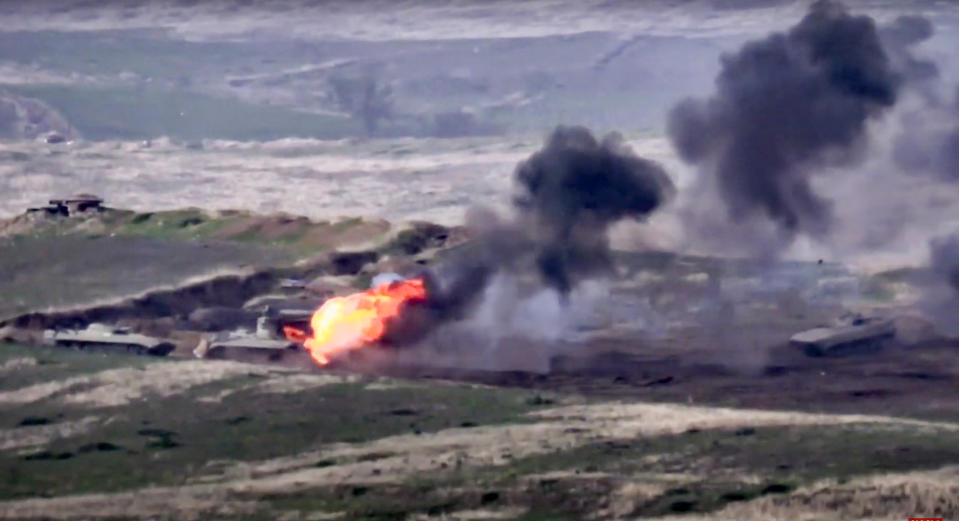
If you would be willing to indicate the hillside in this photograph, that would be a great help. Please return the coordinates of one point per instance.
(96, 437)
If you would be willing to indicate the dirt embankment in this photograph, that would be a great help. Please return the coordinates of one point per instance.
(230, 290)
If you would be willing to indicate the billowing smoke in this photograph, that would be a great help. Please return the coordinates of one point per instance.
(929, 143)
(573, 190)
(570, 193)
(940, 300)
(899, 38)
(785, 107)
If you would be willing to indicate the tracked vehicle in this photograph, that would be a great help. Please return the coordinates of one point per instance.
(268, 344)
(249, 349)
(853, 335)
(101, 337)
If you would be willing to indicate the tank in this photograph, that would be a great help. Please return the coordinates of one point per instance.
(852, 335)
(101, 337)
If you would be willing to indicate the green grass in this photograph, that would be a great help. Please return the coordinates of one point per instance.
(72, 268)
(190, 223)
(54, 364)
(782, 454)
(170, 440)
(116, 253)
(195, 224)
(167, 440)
(724, 463)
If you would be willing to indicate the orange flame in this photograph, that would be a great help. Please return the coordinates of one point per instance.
(345, 323)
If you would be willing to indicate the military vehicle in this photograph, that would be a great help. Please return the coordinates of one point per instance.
(248, 349)
(268, 344)
(852, 335)
(102, 337)
(73, 205)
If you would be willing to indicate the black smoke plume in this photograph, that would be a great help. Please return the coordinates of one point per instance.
(785, 106)
(570, 193)
(573, 190)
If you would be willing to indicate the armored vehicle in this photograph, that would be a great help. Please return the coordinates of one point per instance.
(852, 335)
(101, 337)
(267, 345)
(73, 205)
(249, 349)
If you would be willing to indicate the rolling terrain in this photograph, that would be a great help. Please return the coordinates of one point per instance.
(96, 437)
(702, 418)
(598, 325)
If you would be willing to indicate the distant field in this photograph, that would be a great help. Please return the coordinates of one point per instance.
(142, 83)
(130, 113)
(95, 437)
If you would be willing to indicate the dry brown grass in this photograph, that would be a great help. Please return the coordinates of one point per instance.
(27, 437)
(148, 503)
(15, 364)
(116, 387)
(882, 497)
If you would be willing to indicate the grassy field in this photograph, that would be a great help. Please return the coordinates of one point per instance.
(93, 436)
(63, 271)
(67, 262)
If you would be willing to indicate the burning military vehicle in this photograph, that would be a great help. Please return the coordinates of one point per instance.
(346, 323)
(267, 344)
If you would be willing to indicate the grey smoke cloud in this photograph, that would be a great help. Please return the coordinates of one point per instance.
(945, 260)
(929, 143)
(899, 37)
(786, 105)
(940, 300)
